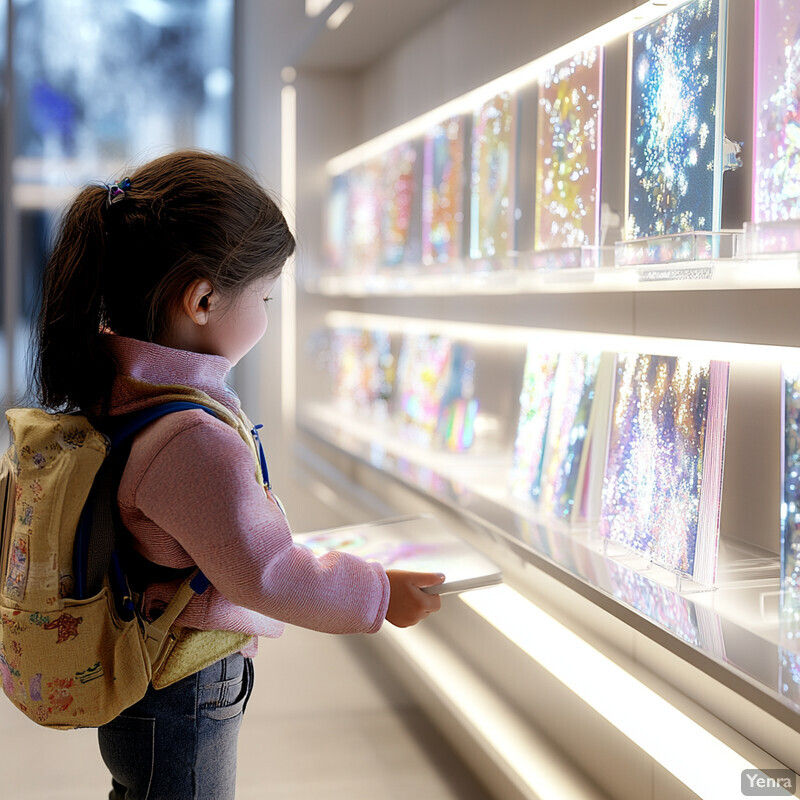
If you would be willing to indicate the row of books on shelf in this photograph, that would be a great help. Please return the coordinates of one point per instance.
(449, 197)
(630, 444)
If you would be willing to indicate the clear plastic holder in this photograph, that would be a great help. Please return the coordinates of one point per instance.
(583, 257)
(772, 238)
(680, 582)
(691, 247)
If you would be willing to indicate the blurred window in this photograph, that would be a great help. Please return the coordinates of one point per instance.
(98, 86)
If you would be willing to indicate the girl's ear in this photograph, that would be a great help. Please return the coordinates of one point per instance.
(197, 301)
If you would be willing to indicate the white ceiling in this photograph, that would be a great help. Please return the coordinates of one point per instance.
(373, 28)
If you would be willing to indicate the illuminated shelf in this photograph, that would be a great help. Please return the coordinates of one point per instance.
(753, 273)
(735, 624)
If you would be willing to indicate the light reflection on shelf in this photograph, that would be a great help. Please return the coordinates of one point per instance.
(560, 340)
(736, 625)
(780, 272)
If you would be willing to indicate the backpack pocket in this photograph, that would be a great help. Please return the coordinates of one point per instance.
(108, 666)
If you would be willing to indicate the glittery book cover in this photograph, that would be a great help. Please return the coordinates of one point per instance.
(790, 534)
(362, 367)
(663, 478)
(442, 194)
(337, 227)
(418, 543)
(434, 395)
(492, 185)
(538, 381)
(675, 114)
(459, 408)
(573, 429)
(776, 166)
(568, 153)
(365, 187)
(399, 186)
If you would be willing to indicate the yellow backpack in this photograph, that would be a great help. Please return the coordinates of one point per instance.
(73, 650)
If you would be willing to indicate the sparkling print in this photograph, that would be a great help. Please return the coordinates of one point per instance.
(337, 223)
(362, 368)
(421, 383)
(776, 166)
(365, 216)
(398, 192)
(790, 536)
(534, 412)
(491, 182)
(674, 168)
(442, 213)
(655, 469)
(571, 406)
(456, 426)
(568, 153)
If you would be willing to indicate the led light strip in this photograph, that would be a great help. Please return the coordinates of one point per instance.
(554, 339)
(510, 82)
(525, 758)
(706, 765)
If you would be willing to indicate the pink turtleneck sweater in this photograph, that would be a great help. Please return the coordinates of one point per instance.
(189, 496)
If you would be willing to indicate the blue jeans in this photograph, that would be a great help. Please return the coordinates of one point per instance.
(179, 743)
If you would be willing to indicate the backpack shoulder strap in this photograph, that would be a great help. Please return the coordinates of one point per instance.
(95, 539)
(138, 420)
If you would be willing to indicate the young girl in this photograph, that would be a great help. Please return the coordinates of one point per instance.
(156, 287)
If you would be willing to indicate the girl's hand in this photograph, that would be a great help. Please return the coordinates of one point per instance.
(408, 604)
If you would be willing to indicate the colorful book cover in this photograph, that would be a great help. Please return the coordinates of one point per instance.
(459, 408)
(567, 429)
(790, 535)
(663, 479)
(362, 367)
(675, 116)
(538, 382)
(776, 163)
(492, 198)
(790, 473)
(399, 186)
(418, 543)
(443, 187)
(337, 224)
(568, 153)
(422, 380)
(365, 201)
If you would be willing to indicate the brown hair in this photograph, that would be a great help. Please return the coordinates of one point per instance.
(125, 266)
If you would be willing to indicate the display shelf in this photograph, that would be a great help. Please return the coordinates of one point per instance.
(725, 295)
(735, 625)
(505, 278)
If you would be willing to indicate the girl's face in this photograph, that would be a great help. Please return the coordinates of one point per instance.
(235, 327)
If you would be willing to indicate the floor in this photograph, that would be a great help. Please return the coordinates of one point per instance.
(322, 723)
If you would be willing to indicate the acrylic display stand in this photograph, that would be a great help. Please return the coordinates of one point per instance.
(679, 248)
(641, 563)
(772, 238)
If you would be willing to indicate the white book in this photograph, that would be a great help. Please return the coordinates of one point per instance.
(420, 543)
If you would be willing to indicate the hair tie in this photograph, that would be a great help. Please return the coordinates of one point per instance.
(116, 191)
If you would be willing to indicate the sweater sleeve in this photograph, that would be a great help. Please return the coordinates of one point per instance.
(198, 486)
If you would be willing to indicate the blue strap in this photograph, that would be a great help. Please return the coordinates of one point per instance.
(140, 419)
(261, 456)
(134, 422)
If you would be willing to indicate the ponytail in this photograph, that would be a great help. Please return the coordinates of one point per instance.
(73, 369)
(123, 260)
